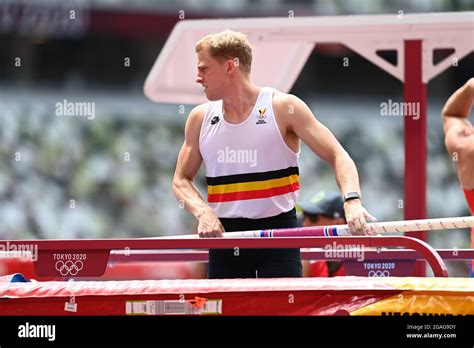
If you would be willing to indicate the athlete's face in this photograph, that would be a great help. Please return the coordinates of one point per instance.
(211, 75)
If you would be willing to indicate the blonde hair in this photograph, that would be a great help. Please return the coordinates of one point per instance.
(228, 44)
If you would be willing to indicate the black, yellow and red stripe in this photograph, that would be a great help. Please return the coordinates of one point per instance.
(239, 187)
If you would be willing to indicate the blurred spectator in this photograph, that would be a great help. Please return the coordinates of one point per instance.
(325, 208)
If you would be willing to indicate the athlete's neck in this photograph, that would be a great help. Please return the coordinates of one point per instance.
(240, 101)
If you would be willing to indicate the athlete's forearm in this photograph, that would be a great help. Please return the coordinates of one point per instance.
(346, 173)
(188, 195)
(460, 103)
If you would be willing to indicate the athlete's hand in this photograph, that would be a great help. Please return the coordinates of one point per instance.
(470, 83)
(209, 225)
(357, 217)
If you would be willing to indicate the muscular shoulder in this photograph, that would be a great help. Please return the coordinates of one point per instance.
(196, 116)
(194, 121)
(197, 113)
(285, 102)
(460, 138)
(290, 110)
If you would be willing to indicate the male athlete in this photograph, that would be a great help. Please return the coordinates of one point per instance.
(249, 139)
(459, 141)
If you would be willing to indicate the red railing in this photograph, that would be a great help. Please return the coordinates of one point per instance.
(202, 256)
(89, 257)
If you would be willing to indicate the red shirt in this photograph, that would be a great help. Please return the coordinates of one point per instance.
(321, 269)
(470, 201)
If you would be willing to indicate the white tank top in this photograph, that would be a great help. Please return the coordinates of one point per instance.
(250, 170)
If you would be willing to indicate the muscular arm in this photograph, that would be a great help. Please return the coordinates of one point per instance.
(459, 133)
(322, 142)
(455, 116)
(188, 164)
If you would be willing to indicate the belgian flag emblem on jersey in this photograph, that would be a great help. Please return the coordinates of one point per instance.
(262, 116)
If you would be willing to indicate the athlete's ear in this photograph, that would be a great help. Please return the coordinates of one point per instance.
(231, 66)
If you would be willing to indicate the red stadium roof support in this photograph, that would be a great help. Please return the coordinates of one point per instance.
(89, 257)
(415, 141)
(290, 41)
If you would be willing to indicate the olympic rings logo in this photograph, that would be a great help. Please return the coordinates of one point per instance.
(69, 267)
(379, 273)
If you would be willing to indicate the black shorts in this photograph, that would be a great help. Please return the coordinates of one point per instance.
(256, 263)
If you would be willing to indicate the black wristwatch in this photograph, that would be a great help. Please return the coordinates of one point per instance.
(351, 195)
